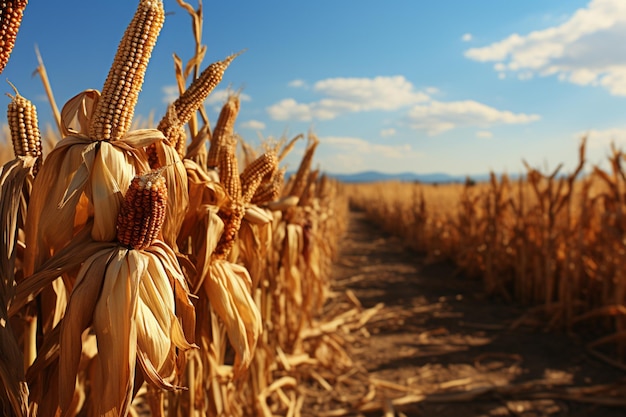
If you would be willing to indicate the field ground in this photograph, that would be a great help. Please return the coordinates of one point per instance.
(438, 347)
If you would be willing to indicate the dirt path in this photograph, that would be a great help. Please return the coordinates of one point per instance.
(454, 350)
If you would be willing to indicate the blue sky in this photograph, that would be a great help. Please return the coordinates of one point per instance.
(455, 86)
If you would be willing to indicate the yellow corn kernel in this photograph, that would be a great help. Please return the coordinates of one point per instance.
(143, 211)
(11, 14)
(114, 112)
(24, 127)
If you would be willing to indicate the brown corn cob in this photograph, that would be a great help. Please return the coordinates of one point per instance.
(11, 14)
(258, 171)
(24, 126)
(223, 131)
(300, 180)
(143, 211)
(271, 190)
(114, 113)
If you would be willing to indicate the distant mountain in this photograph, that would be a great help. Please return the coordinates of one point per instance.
(375, 176)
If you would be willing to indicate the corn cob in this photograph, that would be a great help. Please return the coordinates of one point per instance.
(271, 190)
(299, 182)
(24, 126)
(143, 211)
(114, 113)
(309, 189)
(11, 14)
(259, 170)
(174, 130)
(224, 129)
(231, 216)
(192, 98)
(228, 170)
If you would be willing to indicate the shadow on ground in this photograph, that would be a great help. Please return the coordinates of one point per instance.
(438, 333)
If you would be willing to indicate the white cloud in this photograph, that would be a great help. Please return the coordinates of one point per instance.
(357, 146)
(484, 134)
(586, 49)
(297, 83)
(349, 95)
(385, 133)
(602, 139)
(467, 37)
(170, 93)
(437, 117)
(253, 124)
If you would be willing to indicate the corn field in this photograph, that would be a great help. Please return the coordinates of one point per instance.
(160, 271)
(551, 241)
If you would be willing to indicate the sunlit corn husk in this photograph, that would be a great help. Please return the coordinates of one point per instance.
(81, 179)
(132, 299)
(11, 15)
(257, 215)
(202, 227)
(113, 114)
(15, 184)
(228, 287)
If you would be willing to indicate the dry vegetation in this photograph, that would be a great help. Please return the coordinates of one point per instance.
(551, 241)
(165, 271)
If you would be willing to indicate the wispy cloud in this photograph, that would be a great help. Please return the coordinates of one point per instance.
(170, 93)
(361, 146)
(253, 124)
(297, 83)
(437, 117)
(385, 133)
(576, 50)
(467, 37)
(349, 95)
(603, 138)
(484, 134)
